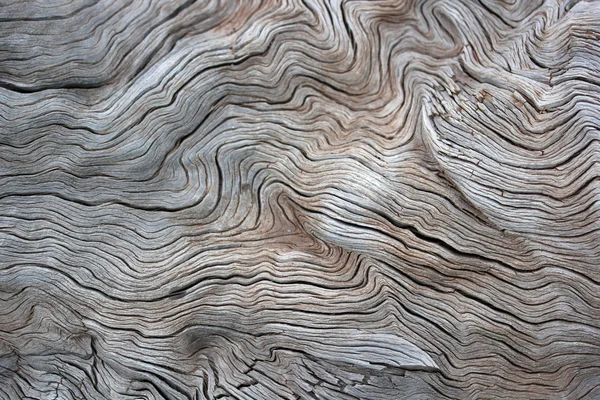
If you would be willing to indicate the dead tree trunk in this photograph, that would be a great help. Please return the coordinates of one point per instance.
(299, 199)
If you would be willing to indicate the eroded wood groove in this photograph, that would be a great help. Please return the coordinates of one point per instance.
(299, 199)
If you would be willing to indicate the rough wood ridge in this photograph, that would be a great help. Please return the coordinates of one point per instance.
(299, 199)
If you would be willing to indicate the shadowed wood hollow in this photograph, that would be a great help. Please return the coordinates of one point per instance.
(293, 199)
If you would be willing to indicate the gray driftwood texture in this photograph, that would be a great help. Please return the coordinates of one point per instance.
(299, 199)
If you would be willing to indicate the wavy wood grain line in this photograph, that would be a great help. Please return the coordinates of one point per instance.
(299, 199)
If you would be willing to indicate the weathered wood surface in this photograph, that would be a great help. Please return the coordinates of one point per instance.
(299, 199)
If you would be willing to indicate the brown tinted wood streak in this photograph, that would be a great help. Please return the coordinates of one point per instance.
(299, 199)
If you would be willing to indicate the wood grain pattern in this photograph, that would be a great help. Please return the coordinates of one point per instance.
(299, 199)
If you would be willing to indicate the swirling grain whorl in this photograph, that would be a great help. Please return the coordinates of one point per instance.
(299, 199)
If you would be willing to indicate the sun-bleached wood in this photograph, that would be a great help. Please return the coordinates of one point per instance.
(299, 199)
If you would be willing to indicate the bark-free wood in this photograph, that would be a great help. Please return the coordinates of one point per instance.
(299, 199)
